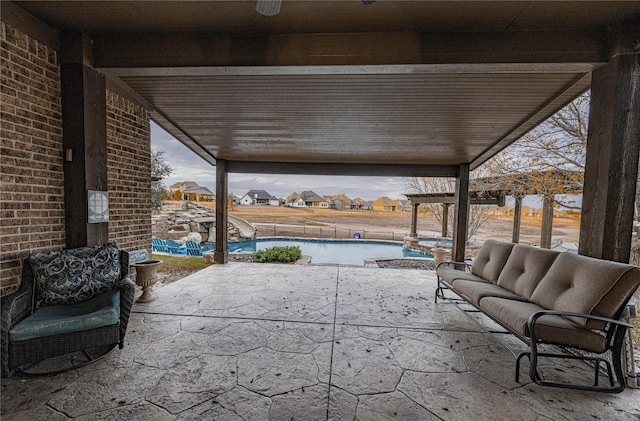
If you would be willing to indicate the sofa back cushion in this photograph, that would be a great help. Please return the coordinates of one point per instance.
(586, 285)
(525, 268)
(74, 275)
(491, 259)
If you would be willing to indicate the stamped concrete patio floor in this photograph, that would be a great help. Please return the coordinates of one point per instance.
(280, 342)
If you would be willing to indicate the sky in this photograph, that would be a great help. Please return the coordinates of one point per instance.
(187, 166)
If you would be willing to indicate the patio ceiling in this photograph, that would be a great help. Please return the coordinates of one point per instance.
(393, 88)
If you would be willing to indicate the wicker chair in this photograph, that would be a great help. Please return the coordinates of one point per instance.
(19, 355)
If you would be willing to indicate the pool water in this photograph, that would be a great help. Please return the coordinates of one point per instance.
(346, 252)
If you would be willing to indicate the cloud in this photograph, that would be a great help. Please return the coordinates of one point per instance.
(187, 166)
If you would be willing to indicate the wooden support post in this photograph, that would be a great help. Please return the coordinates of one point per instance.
(221, 255)
(517, 220)
(611, 168)
(445, 220)
(414, 220)
(461, 216)
(547, 222)
(84, 124)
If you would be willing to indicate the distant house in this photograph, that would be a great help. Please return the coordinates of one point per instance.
(259, 197)
(385, 204)
(357, 203)
(340, 201)
(405, 205)
(191, 189)
(306, 199)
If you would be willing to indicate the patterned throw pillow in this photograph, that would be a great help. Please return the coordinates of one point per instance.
(74, 275)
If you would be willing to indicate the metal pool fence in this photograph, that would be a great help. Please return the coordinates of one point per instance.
(313, 231)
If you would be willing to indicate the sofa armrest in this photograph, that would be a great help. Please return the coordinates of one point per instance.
(535, 316)
(466, 266)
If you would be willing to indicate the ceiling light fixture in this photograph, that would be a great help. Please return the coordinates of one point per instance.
(272, 7)
(268, 7)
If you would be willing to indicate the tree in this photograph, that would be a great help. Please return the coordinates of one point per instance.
(550, 159)
(159, 170)
(478, 214)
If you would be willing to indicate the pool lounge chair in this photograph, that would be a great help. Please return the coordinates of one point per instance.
(176, 248)
(193, 248)
(158, 244)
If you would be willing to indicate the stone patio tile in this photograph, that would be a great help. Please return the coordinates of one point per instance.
(382, 350)
(398, 299)
(101, 390)
(249, 406)
(342, 405)
(243, 291)
(391, 406)
(304, 404)
(138, 412)
(194, 382)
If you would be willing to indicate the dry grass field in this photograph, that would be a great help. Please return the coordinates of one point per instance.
(498, 227)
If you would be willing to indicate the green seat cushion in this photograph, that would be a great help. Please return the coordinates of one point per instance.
(73, 275)
(103, 310)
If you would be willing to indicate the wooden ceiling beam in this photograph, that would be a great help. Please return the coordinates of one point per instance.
(355, 49)
(306, 168)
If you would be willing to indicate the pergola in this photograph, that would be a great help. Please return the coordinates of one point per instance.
(416, 88)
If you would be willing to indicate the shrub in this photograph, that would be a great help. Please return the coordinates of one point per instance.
(278, 255)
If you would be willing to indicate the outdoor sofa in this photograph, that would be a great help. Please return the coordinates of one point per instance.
(68, 300)
(548, 297)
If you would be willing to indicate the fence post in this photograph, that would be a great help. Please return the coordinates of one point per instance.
(275, 230)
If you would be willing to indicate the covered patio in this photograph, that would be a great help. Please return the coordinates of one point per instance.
(398, 89)
(279, 342)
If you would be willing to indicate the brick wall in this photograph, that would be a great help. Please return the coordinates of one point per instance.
(129, 173)
(32, 180)
(31, 159)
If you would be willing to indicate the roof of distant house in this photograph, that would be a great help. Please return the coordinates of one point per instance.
(341, 196)
(311, 196)
(198, 190)
(260, 194)
(191, 187)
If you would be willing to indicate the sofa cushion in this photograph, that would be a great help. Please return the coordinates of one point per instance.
(73, 275)
(103, 310)
(555, 329)
(450, 274)
(478, 290)
(525, 268)
(581, 284)
(491, 259)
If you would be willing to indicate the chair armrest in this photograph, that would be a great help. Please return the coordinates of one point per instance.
(14, 307)
(127, 292)
(124, 263)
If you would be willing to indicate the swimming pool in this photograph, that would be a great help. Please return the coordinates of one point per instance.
(345, 252)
